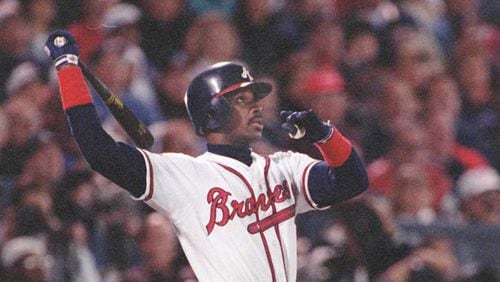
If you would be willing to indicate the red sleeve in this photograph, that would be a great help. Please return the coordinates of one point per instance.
(72, 87)
(335, 150)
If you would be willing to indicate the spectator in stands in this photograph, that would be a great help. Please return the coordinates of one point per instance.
(417, 59)
(362, 46)
(32, 213)
(6, 182)
(361, 249)
(412, 197)
(73, 198)
(163, 28)
(171, 87)
(81, 239)
(304, 13)
(26, 81)
(362, 51)
(28, 124)
(394, 107)
(265, 39)
(323, 48)
(89, 28)
(225, 7)
(45, 166)
(378, 13)
(113, 65)
(478, 191)
(4, 129)
(15, 39)
(40, 15)
(326, 42)
(322, 90)
(442, 90)
(424, 13)
(74, 248)
(445, 152)
(219, 41)
(122, 21)
(408, 146)
(479, 123)
(160, 250)
(176, 135)
(26, 259)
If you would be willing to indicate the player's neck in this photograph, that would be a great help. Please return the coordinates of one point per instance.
(229, 137)
(239, 152)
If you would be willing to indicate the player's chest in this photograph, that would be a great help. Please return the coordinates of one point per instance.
(264, 198)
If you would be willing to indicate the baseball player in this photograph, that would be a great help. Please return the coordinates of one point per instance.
(233, 209)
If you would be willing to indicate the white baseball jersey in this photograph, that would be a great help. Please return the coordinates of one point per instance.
(234, 222)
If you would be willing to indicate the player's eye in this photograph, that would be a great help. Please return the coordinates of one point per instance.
(241, 100)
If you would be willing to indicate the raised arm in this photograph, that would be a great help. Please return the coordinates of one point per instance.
(119, 162)
(341, 175)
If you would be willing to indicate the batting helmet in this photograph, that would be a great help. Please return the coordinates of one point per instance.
(208, 109)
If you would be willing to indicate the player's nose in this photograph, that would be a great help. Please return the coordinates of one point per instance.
(256, 109)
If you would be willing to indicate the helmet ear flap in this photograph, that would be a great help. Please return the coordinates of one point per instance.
(218, 114)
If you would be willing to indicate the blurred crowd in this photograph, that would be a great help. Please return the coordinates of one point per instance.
(415, 84)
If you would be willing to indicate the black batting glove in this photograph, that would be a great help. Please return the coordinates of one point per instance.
(61, 46)
(306, 125)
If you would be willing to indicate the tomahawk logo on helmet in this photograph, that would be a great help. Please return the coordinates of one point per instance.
(205, 98)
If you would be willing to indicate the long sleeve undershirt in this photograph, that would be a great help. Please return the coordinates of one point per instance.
(124, 165)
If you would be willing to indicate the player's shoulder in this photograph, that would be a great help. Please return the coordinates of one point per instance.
(170, 157)
(283, 155)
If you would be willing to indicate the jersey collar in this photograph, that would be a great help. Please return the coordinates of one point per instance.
(240, 153)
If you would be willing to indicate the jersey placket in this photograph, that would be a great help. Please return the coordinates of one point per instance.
(265, 242)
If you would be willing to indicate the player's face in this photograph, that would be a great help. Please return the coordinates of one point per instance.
(246, 118)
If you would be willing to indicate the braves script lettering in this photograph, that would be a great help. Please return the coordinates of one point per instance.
(218, 198)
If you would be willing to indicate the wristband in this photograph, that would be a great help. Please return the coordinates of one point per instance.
(336, 150)
(331, 130)
(65, 59)
(72, 87)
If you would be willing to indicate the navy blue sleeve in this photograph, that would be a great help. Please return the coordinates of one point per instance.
(328, 185)
(119, 162)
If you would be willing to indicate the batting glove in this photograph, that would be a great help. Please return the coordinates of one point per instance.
(306, 125)
(61, 46)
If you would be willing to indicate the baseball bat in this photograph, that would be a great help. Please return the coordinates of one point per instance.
(135, 129)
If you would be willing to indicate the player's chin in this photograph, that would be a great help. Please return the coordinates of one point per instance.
(256, 128)
(255, 131)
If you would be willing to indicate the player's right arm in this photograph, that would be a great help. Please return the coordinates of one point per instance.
(341, 175)
(119, 162)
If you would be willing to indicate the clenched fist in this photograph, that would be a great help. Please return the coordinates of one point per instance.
(61, 46)
(306, 125)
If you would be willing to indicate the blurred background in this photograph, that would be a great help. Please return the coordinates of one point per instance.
(413, 83)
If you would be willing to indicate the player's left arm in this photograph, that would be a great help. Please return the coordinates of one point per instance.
(342, 175)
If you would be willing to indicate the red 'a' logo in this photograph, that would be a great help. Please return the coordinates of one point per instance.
(218, 198)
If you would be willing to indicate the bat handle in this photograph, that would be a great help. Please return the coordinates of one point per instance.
(94, 81)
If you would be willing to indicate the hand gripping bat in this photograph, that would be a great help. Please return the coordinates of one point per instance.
(135, 129)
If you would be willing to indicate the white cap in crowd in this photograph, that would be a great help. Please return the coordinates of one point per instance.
(474, 182)
(20, 247)
(8, 8)
(21, 76)
(121, 15)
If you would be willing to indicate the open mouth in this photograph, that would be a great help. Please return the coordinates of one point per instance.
(257, 120)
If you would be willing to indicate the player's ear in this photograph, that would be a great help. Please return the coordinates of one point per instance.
(219, 113)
